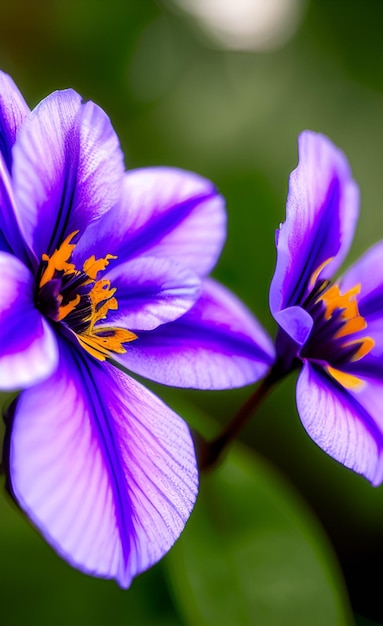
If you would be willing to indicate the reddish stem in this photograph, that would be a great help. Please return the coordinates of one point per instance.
(210, 452)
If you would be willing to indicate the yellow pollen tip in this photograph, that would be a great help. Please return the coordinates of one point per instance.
(351, 326)
(58, 261)
(346, 380)
(365, 346)
(315, 275)
(65, 309)
(97, 341)
(102, 341)
(92, 266)
(334, 299)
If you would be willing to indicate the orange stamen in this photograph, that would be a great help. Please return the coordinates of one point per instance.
(315, 275)
(353, 325)
(98, 341)
(346, 380)
(92, 266)
(333, 300)
(346, 307)
(59, 260)
(101, 346)
(365, 346)
(65, 309)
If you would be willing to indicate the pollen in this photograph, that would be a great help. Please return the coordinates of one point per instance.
(346, 380)
(315, 275)
(337, 339)
(346, 305)
(345, 302)
(82, 300)
(58, 262)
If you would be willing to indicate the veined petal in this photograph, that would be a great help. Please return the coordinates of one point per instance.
(321, 213)
(339, 424)
(102, 467)
(28, 349)
(364, 272)
(13, 111)
(165, 212)
(10, 236)
(218, 344)
(67, 169)
(151, 291)
(296, 322)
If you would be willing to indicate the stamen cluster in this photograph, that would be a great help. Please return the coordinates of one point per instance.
(334, 340)
(77, 299)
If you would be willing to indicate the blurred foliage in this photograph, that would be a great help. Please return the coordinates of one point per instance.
(252, 554)
(37, 587)
(234, 117)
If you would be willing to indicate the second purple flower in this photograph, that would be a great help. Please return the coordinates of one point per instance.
(331, 330)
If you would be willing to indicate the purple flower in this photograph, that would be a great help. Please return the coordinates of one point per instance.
(99, 266)
(333, 331)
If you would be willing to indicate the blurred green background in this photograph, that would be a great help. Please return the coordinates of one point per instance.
(187, 90)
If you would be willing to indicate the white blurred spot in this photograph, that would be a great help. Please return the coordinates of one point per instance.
(246, 24)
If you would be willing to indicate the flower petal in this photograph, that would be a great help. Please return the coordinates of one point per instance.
(339, 424)
(28, 350)
(296, 322)
(165, 212)
(13, 111)
(321, 213)
(10, 236)
(151, 291)
(364, 272)
(102, 467)
(218, 344)
(67, 169)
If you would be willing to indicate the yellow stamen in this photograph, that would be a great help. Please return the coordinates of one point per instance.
(346, 302)
(365, 346)
(346, 380)
(101, 291)
(59, 260)
(65, 309)
(98, 341)
(315, 275)
(101, 346)
(92, 265)
(345, 305)
(352, 326)
(353, 322)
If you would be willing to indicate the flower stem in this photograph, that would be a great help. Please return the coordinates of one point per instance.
(210, 452)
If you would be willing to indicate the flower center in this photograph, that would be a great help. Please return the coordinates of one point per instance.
(335, 338)
(78, 300)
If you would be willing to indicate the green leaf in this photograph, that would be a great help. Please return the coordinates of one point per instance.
(38, 587)
(253, 554)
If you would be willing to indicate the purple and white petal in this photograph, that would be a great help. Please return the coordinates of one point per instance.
(110, 479)
(339, 424)
(67, 169)
(164, 212)
(321, 214)
(151, 291)
(28, 345)
(13, 111)
(365, 272)
(218, 344)
(10, 237)
(296, 322)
